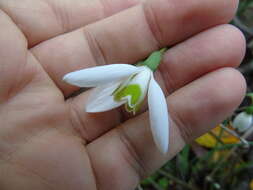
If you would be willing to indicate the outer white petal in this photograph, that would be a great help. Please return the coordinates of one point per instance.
(100, 99)
(243, 121)
(159, 116)
(100, 75)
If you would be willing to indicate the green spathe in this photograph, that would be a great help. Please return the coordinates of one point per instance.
(154, 60)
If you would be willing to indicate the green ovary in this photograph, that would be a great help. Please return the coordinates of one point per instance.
(132, 90)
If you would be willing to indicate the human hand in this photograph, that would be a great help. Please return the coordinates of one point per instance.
(47, 141)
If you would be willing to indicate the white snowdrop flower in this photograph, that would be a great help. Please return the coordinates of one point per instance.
(119, 84)
(243, 121)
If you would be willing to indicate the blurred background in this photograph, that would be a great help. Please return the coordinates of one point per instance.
(222, 158)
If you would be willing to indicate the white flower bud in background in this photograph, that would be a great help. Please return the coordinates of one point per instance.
(243, 121)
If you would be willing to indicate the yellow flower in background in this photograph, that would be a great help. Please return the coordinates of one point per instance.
(217, 155)
(251, 185)
(209, 141)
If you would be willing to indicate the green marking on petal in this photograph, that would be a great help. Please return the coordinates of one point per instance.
(132, 90)
(117, 89)
(123, 84)
(134, 109)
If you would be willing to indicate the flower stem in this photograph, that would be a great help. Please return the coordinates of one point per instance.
(163, 50)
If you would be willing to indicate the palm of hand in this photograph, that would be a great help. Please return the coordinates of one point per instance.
(38, 145)
(47, 142)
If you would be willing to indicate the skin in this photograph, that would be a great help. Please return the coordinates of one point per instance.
(48, 142)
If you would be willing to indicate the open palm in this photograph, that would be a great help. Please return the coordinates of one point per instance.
(47, 141)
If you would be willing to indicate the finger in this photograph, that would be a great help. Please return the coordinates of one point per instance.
(128, 153)
(13, 57)
(41, 20)
(182, 64)
(201, 54)
(130, 35)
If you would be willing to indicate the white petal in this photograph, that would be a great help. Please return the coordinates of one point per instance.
(243, 121)
(100, 75)
(101, 98)
(159, 116)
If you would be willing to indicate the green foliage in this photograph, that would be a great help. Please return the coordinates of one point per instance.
(183, 161)
(163, 182)
(244, 4)
(206, 172)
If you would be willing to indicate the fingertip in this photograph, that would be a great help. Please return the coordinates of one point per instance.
(210, 99)
(227, 90)
(237, 85)
(237, 41)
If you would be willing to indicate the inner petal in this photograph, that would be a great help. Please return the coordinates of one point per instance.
(135, 91)
(131, 92)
